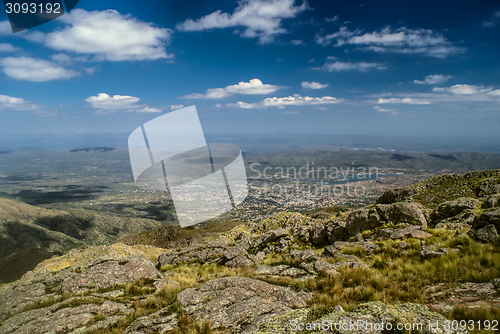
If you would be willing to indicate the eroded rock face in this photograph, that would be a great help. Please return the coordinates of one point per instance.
(214, 252)
(70, 300)
(239, 304)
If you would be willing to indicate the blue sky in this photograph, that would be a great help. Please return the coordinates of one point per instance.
(416, 69)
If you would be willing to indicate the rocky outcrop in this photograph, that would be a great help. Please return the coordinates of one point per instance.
(452, 208)
(214, 252)
(370, 219)
(400, 233)
(374, 313)
(239, 304)
(80, 296)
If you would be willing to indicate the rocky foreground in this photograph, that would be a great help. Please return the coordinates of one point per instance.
(420, 255)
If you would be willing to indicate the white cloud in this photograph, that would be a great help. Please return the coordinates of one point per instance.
(332, 19)
(340, 35)
(16, 103)
(282, 102)
(104, 101)
(462, 89)
(6, 47)
(5, 28)
(313, 85)
(108, 35)
(490, 23)
(297, 42)
(176, 106)
(385, 110)
(406, 100)
(33, 69)
(253, 87)
(259, 18)
(401, 40)
(290, 112)
(149, 109)
(495, 92)
(433, 79)
(338, 66)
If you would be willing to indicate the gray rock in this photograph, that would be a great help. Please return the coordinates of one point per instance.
(428, 253)
(488, 218)
(318, 234)
(453, 208)
(159, 322)
(239, 304)
(325, 268)
(486, 234)
(378, 313)
(110, 273)
(268, 237)
(491, 202)
(213, 252)
(409, 232)
(403, 212)
(369, 219)
(335, 231)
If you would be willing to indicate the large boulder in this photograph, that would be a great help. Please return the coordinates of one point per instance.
(403, 212)
(396, 213)
(361, 220)
(491, 202)
(239, 304)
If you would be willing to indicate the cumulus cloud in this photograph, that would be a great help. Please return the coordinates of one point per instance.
(313, 85)
(253, 87)
(337, 66)
(108, 35)
(176, 106)
(282, 102)
(260, 18)
(104, 101)
(16, 103)
(406, 100)
(433, 79)
(6, 47)
(33, 69)
(401, 40)
(462, 89)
